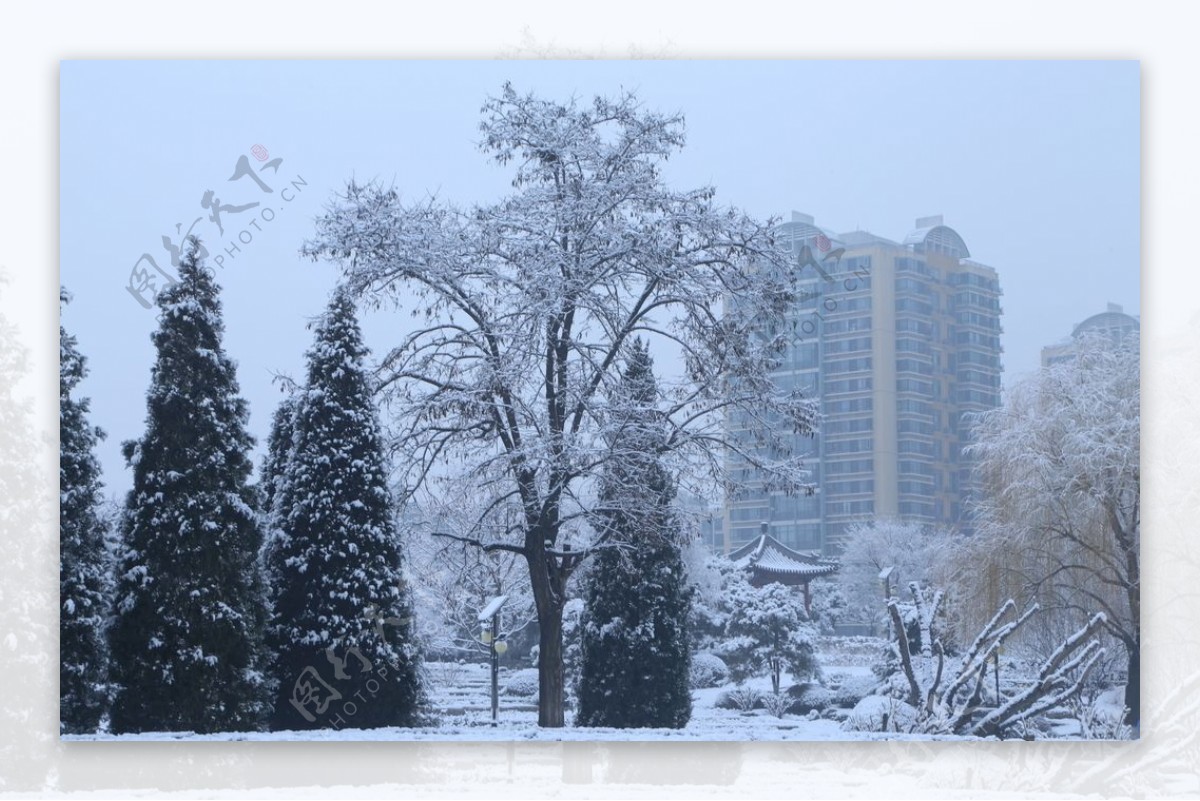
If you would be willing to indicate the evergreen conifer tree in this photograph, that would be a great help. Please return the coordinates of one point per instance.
(84, 567)
(635, 655)
(190, 607)
(279, 445)
(341, 627)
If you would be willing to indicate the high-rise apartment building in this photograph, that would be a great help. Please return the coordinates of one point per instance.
(1113, 322)
(900, 341)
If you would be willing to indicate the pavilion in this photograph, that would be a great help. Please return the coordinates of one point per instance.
(769, 560)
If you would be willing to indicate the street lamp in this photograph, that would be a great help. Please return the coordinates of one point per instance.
(885, 578)
(489, 617)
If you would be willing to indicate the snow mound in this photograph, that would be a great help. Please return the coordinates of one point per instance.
(523, 683)
(881, 713)
(707, 670)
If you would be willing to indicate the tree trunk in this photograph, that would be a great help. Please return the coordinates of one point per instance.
(1133, 685)
(550, 664)
(548, 580)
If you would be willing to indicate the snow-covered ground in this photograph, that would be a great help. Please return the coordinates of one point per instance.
(461, 702)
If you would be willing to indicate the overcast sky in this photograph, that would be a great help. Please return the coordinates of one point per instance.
(1035, 164)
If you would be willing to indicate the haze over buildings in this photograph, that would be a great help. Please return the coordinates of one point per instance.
(900, 341)
(1113, 322)
(1011, 151)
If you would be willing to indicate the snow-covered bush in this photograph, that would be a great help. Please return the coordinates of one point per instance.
(707, 670)
(449, 673)
(808, 696)
(777, 704)
(768, 632)
(881, 713)
(852, 689)
(1101, 717)
(829, 605)
(711, 578)
(522, 683)
(740, 697)
(855, 651)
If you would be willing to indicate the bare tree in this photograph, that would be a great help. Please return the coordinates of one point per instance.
(948, 698)
(913, 551)
(1061, 515)
(455, 580)
(526, 306)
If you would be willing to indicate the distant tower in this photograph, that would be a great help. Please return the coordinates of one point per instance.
(1113, 321)
(899, 340)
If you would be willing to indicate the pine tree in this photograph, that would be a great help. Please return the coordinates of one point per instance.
(635, 654)
(84, 568)
(187, 640)
(279, 445)
(341, 626)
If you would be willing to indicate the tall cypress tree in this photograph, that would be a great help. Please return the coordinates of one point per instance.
(84, 568)
(341, 627)
(279, 445)
(274, 465)
(190, 609)
(635, 655)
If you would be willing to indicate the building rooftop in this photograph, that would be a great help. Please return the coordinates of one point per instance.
(861, 238)
(938, 237)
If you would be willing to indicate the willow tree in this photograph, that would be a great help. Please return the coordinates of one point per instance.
(524, 306)
(1062, 512)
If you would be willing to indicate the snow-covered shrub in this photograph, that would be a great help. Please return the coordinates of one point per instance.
(523, 683)
(768, 632)
(829, 605)
(1101, 718)
(808, 696)
(852, 689)
(707, 670)
(740, 697)
(857, 651)
(778, 704)
(708, 575)
(450, 673)
(881, 713)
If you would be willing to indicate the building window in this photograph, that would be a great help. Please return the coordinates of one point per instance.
(847, 426)
(848, 366)
(913, 305)
(850, 487)
(850, 466)
(848, 385)
(850, 446)
(924, 388)
(919, 366)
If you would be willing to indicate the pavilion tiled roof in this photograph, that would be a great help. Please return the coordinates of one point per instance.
(771, 560)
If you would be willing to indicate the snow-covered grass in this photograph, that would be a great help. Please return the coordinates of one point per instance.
(460, 700)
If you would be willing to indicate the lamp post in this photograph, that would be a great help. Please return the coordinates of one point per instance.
(489, 616)
(885, 578)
